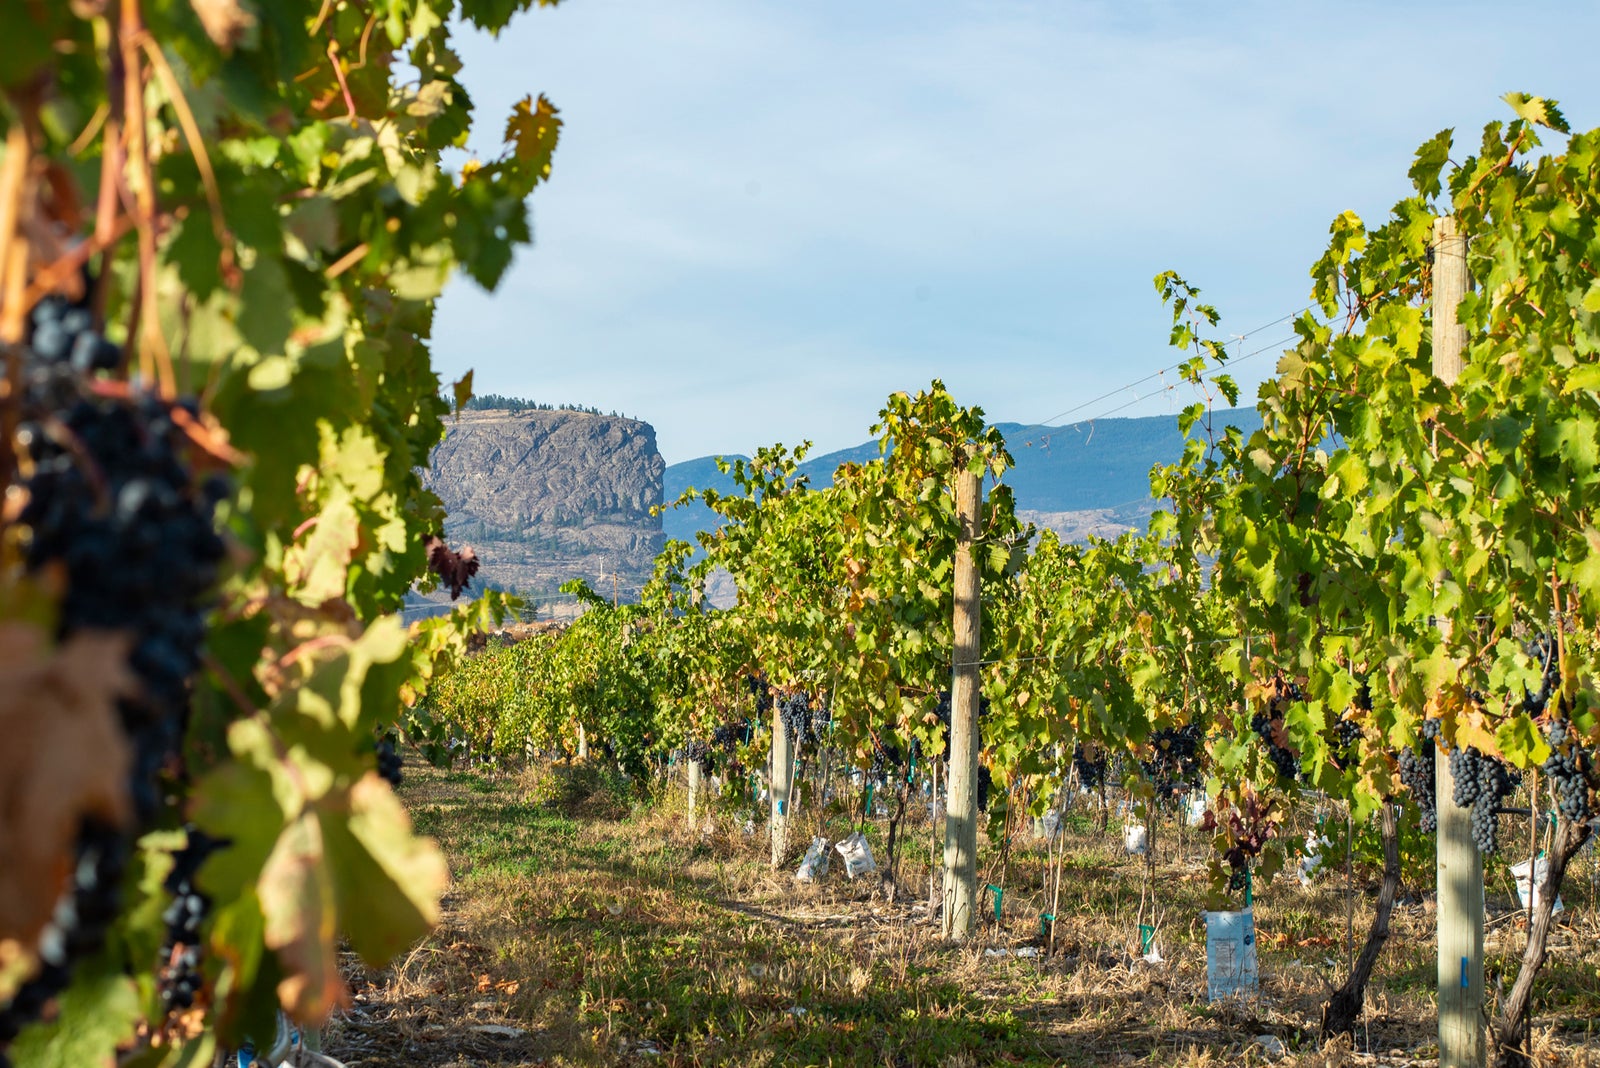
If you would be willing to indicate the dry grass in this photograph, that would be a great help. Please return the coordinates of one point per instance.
(577, 932)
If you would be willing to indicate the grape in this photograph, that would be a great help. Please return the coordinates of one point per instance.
(1417, 775)
(821, 718)
(1175, 767)
(1464, 766)
(389, 761)
(699, 752)
(761, 692)
(1284, 760)
(77, 928)
(728, 736)
(1542, 651)
(179, 978)
(985, 781)
(1091, 773)
(112, 506)
(1481, 783)
(1348, 733)
(794, 710)
(885, 755)
(1566, 771)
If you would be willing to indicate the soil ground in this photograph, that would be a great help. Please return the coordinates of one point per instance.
(583, 930)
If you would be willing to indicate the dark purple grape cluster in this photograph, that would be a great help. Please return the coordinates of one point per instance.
(885, 755)
(1091, 773)
(1542, 651)
(985, 783)
(1175, 766)
(1566, 771)
(1269, 726)
(1347, 736)
(64, 345)
(730, 736)
(389, 761)
(761, 692)
(1417, 775)
(698, 751)
(1481, 782)
(179, 978)
(821, 719)
(112, 501)
(1283, 760)
(112, 504)
(794, 709)
(76, 930)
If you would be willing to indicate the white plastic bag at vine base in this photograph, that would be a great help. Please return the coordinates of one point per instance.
(1050, 823)
(815, 865)
(1194, 810)
(1135, 838)
(1230, 954)
(1311, 863)
(857, 855)
(1540, 868)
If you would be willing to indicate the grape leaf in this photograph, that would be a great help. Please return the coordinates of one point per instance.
(455, 569)
(388, 880)
(97, 1014)
(65, 758)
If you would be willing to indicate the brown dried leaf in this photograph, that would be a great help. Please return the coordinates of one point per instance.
(64, 758)
(455, 569)
(225, 21)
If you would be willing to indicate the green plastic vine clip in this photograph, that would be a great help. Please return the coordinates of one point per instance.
(999, 893)
(1045, 920)
(1249, 888)
(1147, 934)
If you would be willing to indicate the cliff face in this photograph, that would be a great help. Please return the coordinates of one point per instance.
(545, 496)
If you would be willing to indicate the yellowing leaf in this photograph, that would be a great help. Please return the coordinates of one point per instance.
(532, 132)
(389, 881)
(317, 567)
(299, 905)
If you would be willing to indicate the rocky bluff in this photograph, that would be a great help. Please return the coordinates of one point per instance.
(544, 496)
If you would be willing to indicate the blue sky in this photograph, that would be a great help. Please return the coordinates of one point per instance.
(766, 216)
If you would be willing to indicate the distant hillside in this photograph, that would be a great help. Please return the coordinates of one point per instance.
(1100, 467)
(545, 495)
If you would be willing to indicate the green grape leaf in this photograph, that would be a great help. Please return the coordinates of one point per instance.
(388, 880)
(1537, 109)
(98, 1013)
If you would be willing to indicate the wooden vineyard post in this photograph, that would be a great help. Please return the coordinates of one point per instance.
(1460, 867)
(782, 778)
(695, 779)
(961, 813)
(583, 743)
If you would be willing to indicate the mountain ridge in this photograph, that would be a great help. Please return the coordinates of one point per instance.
(1099, 466)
